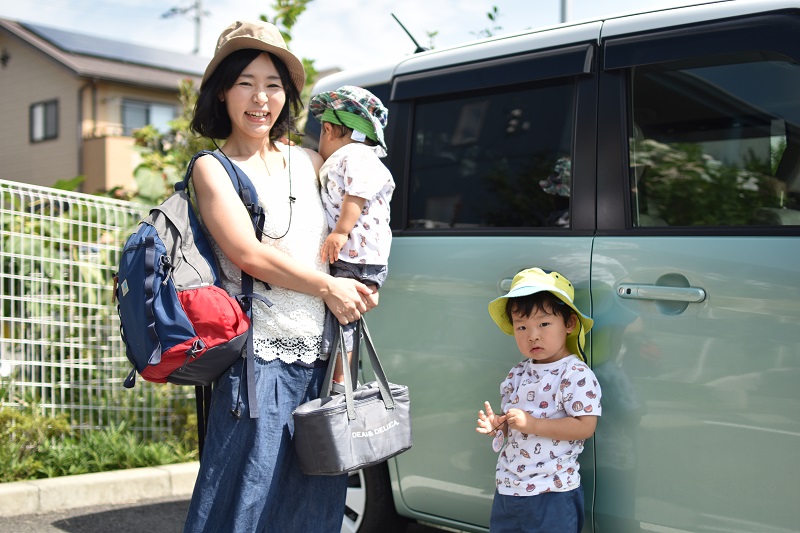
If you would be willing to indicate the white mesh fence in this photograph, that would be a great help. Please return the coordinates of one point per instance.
(60, 348)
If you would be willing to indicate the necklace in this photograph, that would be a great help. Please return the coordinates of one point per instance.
(264, 161)
(291, 198)
(266, 167)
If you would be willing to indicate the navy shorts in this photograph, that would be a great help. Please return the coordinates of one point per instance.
(368, 274)
(551, 512)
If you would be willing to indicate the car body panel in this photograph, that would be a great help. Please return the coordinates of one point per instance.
(700, 399)
(440, 290)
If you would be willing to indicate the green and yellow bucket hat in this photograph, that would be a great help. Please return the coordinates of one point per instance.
(531, 281)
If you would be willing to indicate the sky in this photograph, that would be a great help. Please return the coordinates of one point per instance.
(341, 34)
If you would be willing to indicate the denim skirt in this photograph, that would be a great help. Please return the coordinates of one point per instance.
(249, 479)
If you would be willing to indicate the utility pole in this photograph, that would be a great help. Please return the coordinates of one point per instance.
(198, 12)
(565, 10)
(197, 9)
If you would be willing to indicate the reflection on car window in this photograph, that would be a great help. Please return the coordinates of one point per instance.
(493, 160)
(716, 144)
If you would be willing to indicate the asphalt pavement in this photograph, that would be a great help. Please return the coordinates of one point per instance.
(140, 500)
(147, 516)
(150, 516)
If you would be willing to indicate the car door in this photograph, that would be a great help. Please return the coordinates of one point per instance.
(695, 277)
(492, 148)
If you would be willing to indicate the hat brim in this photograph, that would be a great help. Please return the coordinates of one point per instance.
(575, 340)
(292, 62)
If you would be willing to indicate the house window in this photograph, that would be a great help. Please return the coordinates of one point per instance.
(44, 121)
(138, 114)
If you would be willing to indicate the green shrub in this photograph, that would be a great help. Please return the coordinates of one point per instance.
(36, 446)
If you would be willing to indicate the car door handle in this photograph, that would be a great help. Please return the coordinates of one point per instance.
(661, 292)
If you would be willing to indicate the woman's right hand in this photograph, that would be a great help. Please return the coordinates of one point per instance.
(344, 299)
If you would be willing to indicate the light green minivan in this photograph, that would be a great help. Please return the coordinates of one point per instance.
(654, 160)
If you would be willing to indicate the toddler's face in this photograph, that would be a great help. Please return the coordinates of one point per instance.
(542, 336)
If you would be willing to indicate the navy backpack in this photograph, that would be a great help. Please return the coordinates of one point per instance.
(177, 322)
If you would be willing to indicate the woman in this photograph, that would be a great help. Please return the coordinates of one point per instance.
(249, 479)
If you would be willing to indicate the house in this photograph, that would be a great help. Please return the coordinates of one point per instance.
(70, 102)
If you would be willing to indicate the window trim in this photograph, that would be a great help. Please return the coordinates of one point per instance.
(49, 131)
(504, 71)
(768, 34)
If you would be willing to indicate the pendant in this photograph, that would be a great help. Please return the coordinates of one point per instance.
(497, 442)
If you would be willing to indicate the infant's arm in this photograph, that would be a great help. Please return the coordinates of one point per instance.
(348, 216)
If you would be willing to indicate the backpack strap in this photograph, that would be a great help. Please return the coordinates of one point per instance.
(241, 183)
(150, 292)
(246, 301)
(247, 193)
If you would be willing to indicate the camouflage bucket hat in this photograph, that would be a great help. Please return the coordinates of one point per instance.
(354, 107)
(533, 280)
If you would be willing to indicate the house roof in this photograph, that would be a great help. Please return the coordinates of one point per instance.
(107, 59)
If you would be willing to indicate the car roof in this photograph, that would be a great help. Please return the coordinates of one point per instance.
(580, 31)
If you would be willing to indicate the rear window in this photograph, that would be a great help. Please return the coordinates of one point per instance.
(493, 159)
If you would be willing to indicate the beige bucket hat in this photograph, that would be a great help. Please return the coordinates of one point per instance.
(259, 36)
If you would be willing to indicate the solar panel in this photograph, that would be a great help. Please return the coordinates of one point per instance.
(78, 43)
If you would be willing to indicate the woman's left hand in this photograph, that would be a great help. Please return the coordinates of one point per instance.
(345, 297)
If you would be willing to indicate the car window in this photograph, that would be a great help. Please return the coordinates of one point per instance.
(499, 159)
(715, 143)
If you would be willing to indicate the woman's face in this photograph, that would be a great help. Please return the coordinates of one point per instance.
(256, 98)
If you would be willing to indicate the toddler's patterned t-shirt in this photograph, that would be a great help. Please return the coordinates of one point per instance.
(529, 464)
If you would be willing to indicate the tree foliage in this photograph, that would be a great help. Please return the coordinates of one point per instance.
(494, 27)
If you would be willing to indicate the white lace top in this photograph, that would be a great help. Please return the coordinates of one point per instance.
(291, 329)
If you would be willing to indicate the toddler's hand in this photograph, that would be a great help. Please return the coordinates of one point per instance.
(332, 246)
(517, 419)
(488, 421)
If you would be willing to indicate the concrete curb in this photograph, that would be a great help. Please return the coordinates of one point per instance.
(105, 488)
